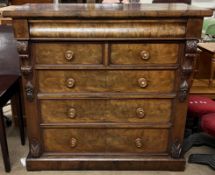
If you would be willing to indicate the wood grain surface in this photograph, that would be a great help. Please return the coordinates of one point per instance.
(82, 53)
(58, 111)
(105, 140)
(107, 11)
(131, 53)
(106, 85)
(106, 81)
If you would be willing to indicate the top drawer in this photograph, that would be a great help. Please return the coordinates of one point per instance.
(67, 53)
(108, 29)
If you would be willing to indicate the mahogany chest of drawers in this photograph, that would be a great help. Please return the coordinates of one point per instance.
(106, 85)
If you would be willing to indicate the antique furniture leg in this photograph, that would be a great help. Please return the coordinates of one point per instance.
(20, 113)
(3, 142)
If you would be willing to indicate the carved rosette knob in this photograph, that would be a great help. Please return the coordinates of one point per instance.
(71, 113)
(140, 113)
(69, 55)
(145, 55)
(73, 142)
(139, 142)
(70, 83)
(142, 82)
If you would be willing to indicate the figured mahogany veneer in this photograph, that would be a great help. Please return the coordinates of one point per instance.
(108, 29)
(120, 54)
(84, 111)
(105, 81)
(106, 85)
(145, 53)
(67, 53)
(115, 141)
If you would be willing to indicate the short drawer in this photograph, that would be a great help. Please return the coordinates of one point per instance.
(137, 54)
(78, 111)
(105, 140)
(55, 53)
(106, 81)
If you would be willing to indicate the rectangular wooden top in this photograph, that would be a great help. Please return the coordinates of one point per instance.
(106, 11)
(209, 47)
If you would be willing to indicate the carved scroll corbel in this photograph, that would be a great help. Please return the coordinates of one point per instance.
(22, 48)
(35, 148)
(187, 69)
(26, 68)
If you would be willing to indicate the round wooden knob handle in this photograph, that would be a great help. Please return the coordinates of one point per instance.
(142, 82)
(73, 142)
(140, 113)
(72, 113)
(70, 83)
(69, 55)
(139, 142)
(145, 55)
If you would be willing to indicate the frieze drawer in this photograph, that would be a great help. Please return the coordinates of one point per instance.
(109, 29)
(106, 81)
(87, 110)
(111, 141)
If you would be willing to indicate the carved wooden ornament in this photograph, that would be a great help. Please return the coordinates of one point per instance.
(176, 150)
(35, 148)
(187, 69)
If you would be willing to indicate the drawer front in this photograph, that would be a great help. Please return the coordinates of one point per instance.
(72, 111)
(108, 29)
(105, 140)
(54, 53)
(144, 54)
(106, 81)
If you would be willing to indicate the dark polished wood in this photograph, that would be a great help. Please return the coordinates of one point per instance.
(120, 162)
(106, 85)
(9, 62)
(4, 146)
(9, 87)
(117, 11)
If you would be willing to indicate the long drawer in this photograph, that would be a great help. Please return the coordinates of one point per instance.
(86, 111)
(106, 81)
(105, 140)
